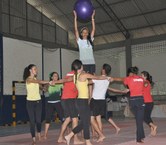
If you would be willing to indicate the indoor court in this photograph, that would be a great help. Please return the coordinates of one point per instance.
(86, 72)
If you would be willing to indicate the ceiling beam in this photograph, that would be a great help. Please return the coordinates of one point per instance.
(112, 4)
(109, 11)
(126, 17)
(138, 7)
(61, 11)
(136, 28)
(137, 41)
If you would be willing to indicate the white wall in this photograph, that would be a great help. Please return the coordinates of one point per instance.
(68, 57)
(51, 61)
(17, 55)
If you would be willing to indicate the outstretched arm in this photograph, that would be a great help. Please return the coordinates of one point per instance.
(61, 81)
(90, 76)
(93, 25)
(30, 80)
(118, 91)
(117, 79)
(75, 25)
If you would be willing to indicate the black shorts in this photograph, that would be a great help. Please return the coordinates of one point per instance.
(89, 68)
(98, 107)
(69, 107)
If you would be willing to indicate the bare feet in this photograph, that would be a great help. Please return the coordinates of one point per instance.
(33, 143)
(61, 140)
(78, 141)
(140, 142)
(95, 138)
(67, 138)
(154, 130)
(39, 137)
(117, 130)
(44, 137)
(100, 139)
(87, 142)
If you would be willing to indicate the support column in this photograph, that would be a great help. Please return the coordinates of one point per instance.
(0, 16)
(60, 54)
(128, 53)
(1, 78)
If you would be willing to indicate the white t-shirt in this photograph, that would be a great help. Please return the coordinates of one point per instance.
(86, 51)
(100, 89)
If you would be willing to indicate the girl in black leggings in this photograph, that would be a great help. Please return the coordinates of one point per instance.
(136, 85)
(34, 103)
(148, 100)
(53, 102)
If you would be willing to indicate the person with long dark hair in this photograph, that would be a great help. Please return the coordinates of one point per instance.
(84, 40)
(68, 100)
(34, 103)
(135, 84)
(53, 102)
(82, 102)
(148, 100)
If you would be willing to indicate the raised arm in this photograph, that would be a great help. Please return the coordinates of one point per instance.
(75, 25)
(93, 24)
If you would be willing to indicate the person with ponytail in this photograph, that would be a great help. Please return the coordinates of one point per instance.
(148, 100)
(68, 101)
(34, 103)
(85, 44)
(135, 84)
(82, 103)
(53, 102)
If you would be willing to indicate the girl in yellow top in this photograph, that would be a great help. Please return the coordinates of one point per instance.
(34, 104)
(82, 103)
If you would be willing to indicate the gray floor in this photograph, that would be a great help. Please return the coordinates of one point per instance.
(22, 128)
(126, 136)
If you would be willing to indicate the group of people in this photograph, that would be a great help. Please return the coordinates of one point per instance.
(79, 97)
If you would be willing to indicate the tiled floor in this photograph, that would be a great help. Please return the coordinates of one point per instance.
(125, 137)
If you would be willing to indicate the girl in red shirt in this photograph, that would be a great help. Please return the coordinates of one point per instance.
(135, 84)
(148, 100)
(68, 101)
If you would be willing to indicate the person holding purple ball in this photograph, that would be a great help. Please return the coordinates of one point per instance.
(84, 40)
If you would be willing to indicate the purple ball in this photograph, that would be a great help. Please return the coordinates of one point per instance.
(84, 10)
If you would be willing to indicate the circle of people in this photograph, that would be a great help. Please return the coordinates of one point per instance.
(82, 101)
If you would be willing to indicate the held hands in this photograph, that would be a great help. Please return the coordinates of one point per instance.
(51, 83)
(125, 91)
(110, 79)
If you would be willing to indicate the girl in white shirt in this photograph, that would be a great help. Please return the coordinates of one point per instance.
(85, 45)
